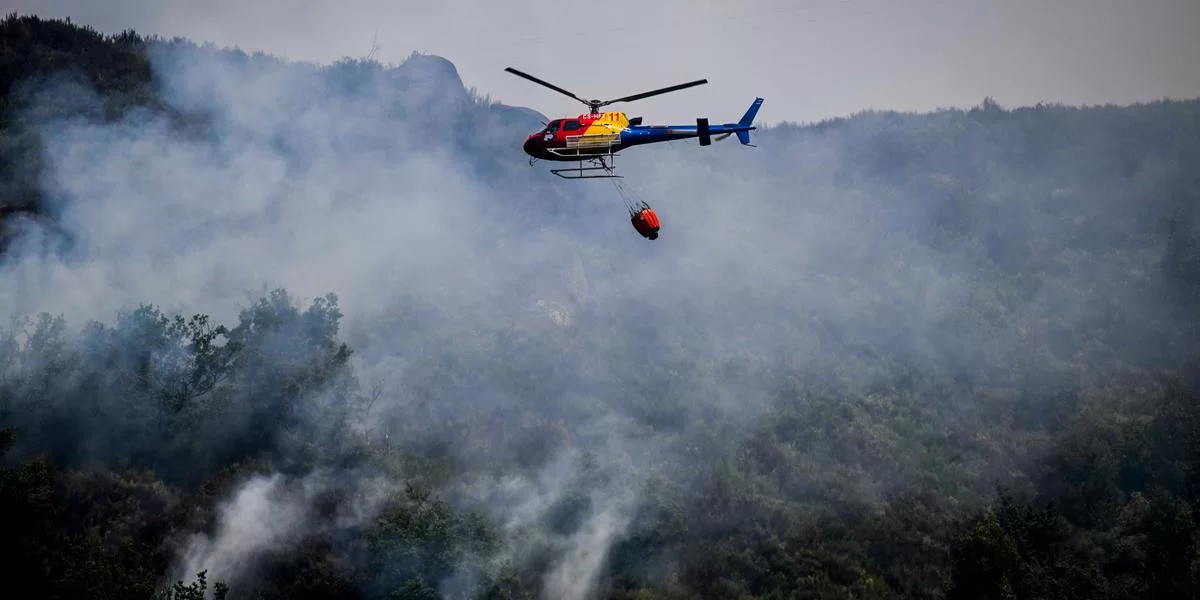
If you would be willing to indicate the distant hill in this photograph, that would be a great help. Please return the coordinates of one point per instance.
(119, 69)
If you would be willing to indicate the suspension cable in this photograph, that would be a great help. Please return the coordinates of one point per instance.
(632, 200)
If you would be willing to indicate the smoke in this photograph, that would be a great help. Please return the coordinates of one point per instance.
(259, 516)
(568, 514)
(518, 332)
(575, 575)
(271, 513)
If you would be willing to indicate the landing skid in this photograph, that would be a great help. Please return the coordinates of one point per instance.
(581, 172)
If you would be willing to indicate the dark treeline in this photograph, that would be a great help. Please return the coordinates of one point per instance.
(827, 425)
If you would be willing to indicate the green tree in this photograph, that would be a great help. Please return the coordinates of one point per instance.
(987, 563)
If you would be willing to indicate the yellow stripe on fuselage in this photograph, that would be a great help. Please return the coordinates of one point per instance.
(607, 124)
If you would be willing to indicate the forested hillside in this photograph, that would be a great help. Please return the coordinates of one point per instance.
(944, 355)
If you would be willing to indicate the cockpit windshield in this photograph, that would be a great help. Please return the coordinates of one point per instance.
(552, 126)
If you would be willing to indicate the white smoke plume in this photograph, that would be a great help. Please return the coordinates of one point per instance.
(259, 516)
(272, 513)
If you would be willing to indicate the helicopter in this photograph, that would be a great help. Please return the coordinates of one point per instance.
(595, 138)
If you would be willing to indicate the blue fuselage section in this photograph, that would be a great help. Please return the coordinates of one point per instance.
(648, 134)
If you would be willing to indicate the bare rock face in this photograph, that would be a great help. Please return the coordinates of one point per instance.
(430, 81)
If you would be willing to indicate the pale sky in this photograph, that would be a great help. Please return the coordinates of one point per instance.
(810, 59)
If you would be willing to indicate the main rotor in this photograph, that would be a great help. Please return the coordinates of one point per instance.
(595, 105)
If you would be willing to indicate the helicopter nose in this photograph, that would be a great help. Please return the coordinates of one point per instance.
(531, 146)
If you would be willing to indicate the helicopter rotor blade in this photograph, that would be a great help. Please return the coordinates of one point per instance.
(545, 83)
(656, 92)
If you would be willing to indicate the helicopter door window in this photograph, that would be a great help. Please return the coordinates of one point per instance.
(572, 125)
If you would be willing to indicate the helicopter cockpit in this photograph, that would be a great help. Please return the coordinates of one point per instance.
(551, 129)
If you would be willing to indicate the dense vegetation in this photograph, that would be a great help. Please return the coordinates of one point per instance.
(955, 357)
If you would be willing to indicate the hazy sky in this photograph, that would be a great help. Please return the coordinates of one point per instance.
(810, 58)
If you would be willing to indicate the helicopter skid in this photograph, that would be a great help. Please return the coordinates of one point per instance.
(582, 172)
(585, 173)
